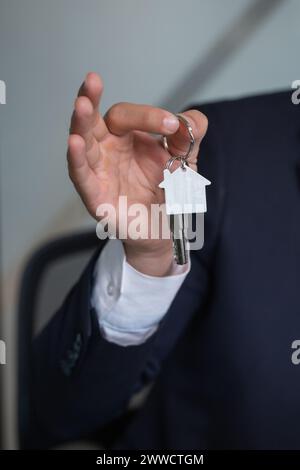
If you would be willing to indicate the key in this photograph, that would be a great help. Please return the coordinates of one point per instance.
(177, 227)
(184, 194)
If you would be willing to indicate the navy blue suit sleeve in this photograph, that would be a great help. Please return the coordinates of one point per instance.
(81, 382)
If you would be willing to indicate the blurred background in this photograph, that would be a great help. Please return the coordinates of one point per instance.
(163, 52)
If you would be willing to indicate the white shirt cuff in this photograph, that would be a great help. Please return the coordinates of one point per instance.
(130, 304)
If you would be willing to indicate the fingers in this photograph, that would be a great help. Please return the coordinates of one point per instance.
(122, 118)
(79, 169)
(81, 174)
(179, 142)
(86, 120)
(92, 88)
(82, 120)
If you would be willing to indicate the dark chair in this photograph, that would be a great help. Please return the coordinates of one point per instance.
(48, 275)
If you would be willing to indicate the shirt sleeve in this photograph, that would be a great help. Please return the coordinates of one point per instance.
(130, 304)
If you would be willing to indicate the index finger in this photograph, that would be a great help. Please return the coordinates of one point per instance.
(92, 88)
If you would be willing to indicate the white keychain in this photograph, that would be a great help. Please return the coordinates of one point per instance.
(185, 193)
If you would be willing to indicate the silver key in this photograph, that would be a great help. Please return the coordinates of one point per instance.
(178, 231)
(178, 222)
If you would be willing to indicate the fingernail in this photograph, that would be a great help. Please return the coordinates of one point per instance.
(171, 123)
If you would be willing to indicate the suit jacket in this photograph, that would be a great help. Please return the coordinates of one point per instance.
(220, 362)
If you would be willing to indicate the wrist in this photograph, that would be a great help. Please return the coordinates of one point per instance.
(153, 261)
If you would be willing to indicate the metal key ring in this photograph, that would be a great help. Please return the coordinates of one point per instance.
(183, 162)
(192, 139)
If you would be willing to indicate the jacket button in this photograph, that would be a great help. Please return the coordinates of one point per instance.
(72, 355)
(77, 343)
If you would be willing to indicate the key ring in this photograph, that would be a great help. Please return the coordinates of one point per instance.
(183, 162)
(192, 140)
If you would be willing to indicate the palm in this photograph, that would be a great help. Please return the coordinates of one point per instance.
(129, 166)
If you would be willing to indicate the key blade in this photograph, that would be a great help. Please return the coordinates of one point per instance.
(178, 237)
(180, 252)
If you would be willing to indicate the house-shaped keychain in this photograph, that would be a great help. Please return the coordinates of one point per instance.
(185, 191)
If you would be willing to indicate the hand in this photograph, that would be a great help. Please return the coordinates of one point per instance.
(115, 155)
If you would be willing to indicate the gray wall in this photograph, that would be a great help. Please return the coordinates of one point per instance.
(143, 49)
